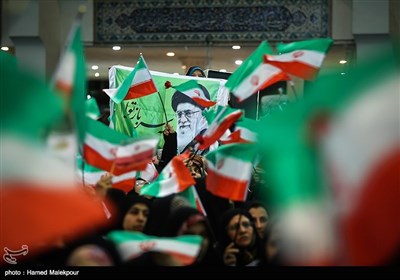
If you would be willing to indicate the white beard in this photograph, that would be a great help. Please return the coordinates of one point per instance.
(185, 136)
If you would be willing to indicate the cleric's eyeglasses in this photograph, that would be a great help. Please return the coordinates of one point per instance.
(187, 113)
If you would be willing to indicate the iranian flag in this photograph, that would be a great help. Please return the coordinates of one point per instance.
(193, 90)
(70, 76)
(302, 59)
(229, 170)
(234, 137)
(115, 152)
(362, 152)
(139, 83)
(248, 129)
(130, 245)
(174, 178)
(220, 120)
(332, 163)
(254, 74)
(149, 174)
(90, 175)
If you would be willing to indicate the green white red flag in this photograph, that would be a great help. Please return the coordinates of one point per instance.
(115, 152)
(70, 76)
(302, 59)
(254, 74)
(174, 178)
(139, 83)
(220, 120)
(229, 170)
(90, 175)
(130, 245)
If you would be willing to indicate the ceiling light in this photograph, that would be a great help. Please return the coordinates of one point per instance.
(222, 70)
(236, 47)
(170, 54)
(4, 49)
(116, 48)
(343, 73)
(95, 67)
(184, 67)
(343, 61)
(96, 74)
(238, 62)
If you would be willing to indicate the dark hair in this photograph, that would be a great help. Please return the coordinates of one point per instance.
(194, 68)
(178, 98)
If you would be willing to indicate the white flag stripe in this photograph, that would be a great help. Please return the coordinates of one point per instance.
(93, 177)
(168, 186)
(101, 146)
(66, 71)
(247, 134)
(111, 92)
(122, 177)
(141, 75)
(379, 106)
(246, 88)
(312, 58)
(105, 148)
(232, 167)
(136, 147)
(129, 249)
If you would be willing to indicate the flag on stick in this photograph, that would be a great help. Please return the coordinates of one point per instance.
(302, 59)
(254, 74)
(139, 83)
(229, 170)
(174, 178)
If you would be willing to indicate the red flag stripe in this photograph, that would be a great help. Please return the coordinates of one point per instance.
(140, 90)
(226, 187)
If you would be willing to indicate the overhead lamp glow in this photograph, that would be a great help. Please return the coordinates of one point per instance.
(5, 49)
(96, 74)
(116, 48)
(222, 70)
(170, 54)
(343, 73)
(238, 62)
(236, 47)
(343, 61)
(184, 67)
(95, 67)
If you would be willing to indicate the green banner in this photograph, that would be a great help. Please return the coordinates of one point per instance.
(145, 116)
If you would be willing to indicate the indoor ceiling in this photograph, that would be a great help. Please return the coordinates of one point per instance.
(208, 57)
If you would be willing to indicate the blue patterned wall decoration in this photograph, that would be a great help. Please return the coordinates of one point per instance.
(172, 21)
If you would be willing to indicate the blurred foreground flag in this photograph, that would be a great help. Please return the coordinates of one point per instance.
(333, 159)
(139, 83)
(362, 152)
(183, 249)
(254, 74)
(40, 202)
(302, 59)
